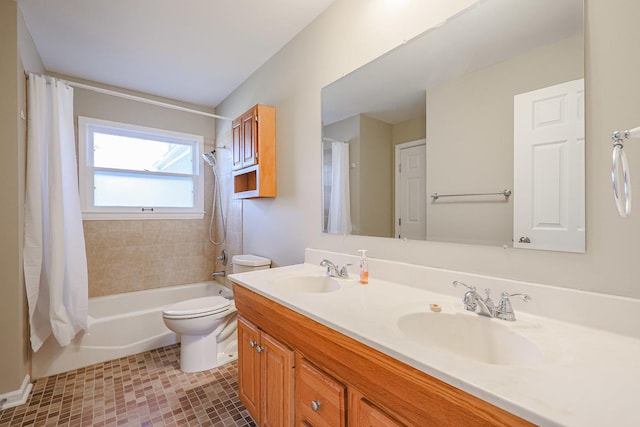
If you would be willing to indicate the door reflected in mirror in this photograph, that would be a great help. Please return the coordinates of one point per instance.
(436, 115)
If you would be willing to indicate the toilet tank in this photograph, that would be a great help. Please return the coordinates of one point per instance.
(243, 263)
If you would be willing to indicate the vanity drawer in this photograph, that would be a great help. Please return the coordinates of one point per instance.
(363, 413)
(320, 400)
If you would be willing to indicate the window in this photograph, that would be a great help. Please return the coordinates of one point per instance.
(133, 172)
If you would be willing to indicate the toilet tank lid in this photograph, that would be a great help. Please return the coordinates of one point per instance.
(250, 260)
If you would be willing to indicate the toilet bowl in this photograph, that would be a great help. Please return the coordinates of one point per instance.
(201, 322)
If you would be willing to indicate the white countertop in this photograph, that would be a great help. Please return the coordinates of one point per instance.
(588, 377)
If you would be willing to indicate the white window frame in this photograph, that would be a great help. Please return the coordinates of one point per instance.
(86, 127)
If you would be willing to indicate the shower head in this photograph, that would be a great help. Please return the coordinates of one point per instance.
(210, 158)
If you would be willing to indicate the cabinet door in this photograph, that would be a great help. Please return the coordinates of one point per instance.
(236, 148)
(276, 365)
(249, 367)
(320, 400)
(249, 138)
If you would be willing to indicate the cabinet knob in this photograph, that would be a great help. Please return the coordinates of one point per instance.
(252, 344)
(259, 349)
(315, 405)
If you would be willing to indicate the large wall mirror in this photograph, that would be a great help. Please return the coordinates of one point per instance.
(420, 142)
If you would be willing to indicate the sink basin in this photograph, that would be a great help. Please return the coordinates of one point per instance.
(311, 284)
(475, 337)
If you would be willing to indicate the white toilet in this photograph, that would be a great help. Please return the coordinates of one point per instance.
(243, 263)
(200, 323)
(207, 326)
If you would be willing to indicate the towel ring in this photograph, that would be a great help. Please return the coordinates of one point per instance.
(620, 174)
(621, 180)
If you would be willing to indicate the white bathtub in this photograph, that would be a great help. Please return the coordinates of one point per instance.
(125, 324)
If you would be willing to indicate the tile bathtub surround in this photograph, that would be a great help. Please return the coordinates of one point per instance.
(147, 389)
(125, 256)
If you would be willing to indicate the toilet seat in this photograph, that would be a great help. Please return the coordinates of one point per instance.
(197, 307)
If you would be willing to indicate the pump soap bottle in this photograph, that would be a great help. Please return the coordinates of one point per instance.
(364, 267)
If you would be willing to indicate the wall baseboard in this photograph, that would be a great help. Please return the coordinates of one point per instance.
(16, 397)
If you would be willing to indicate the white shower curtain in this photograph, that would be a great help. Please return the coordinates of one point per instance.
(55, 263)
(339, 203)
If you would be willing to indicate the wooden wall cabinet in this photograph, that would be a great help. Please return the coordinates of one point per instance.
(353, 383)
(254, 153)
(265, 376)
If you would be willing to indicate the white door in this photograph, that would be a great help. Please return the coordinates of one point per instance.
(549, 168)
(411, 190)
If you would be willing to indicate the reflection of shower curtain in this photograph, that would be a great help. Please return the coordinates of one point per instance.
(55, 262)
(339, 204)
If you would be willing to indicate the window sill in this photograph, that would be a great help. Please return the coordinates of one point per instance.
(107, 216)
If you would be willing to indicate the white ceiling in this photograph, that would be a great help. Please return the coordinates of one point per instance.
(197, 51)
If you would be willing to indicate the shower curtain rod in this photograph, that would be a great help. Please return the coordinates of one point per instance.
(333, 140)
(136, 98)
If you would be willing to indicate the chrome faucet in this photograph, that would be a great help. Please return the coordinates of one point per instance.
(504, 310)
(334, 270)
(474, 302)
(485, 306)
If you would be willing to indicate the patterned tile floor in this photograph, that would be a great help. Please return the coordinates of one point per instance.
(146, 389)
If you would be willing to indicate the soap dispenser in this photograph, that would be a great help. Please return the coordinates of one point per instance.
(364, 267)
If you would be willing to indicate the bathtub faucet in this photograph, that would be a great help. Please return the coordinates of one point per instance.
(219, 273)
(222, 257)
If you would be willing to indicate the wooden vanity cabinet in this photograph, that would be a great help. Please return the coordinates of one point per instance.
(381, 391)
(265, 376)
(254, 153)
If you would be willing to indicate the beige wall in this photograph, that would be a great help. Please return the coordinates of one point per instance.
(14, 352)
(470, 141)
(320, 55)
(376, 177)
(133, 255)
(410, 130)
